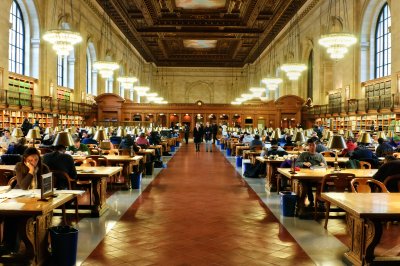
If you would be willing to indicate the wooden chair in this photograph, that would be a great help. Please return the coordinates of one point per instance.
(365, 165)
(336, 182)
(367, 185)
(12, 182)
(298, 149)
(392, 179)
(59, 179)
(89, 162)
(111, 152)
(5, 176)
(328, 154)
(396, 154)
(100, 160)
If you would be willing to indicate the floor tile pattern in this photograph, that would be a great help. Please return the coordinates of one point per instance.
(198, 211)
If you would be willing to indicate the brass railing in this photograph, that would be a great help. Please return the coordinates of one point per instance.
(357, 105)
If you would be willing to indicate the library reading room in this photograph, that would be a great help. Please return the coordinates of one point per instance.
(199, 132)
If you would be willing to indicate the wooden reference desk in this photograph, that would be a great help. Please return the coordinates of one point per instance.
(98, 175)
(34, 219)
(273, 164)
(301, 179)
(365, 214)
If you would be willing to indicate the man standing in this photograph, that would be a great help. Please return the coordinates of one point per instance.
(197, 136)
(214, 131)
(187, 132)
(208, 136)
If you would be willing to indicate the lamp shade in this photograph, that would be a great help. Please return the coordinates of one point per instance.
(33, 134)
(381, 134)
(390, 134)
(364, 138)
(91, 131)
(48, 131)
(299, 137)
(348, 134)
(63, 138)
(121, 132)
(17, 132)
(337, 142)
(341, 132)
(100, 135)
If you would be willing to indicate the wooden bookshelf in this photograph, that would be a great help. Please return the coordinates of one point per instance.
(10, 118)
(70, 120)
(63, 93)
(21, 89)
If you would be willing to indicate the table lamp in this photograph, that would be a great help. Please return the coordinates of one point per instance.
(33, 134)
(48, 131)
(390, 134)
(364, 138)
(100, 135)
(121, 132)
(336, 143)
(341, 132)
(17, 133)
(63, 138)
(348, 134)
(381, 134)
(299, 139)
(91, 131)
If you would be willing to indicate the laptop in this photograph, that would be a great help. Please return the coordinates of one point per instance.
(47, 189)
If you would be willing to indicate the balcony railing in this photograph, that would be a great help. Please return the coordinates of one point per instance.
(376, 103)
(20, 100)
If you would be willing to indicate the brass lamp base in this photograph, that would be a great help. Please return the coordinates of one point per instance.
(336, 167)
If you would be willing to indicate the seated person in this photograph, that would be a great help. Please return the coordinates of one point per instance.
(18, 148)
(383, 148)
(351, 146)
(142, 141)
(88, 139)
(310, 158)
(390, 167)
(256, 142)
(274, 147)
(27, 173)
(362, 153)
(79, 147)
(247, 138)
(115, 140)
(320, 147)
(7, 139)
(60, 161)
(289, 141)
(154, 138)
(393, 143)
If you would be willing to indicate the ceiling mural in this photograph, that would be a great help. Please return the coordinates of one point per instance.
(200, 44)
(209, 33)
(200, 4)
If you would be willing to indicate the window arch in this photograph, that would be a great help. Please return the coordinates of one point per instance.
(383, 56)
(16, 52)
(91, 73)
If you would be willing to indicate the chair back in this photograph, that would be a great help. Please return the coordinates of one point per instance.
(337, 182)
(288, 148)
(396, 154)
(328, 154)
(89, 162)
(365, 165)
(111, 152)
(367, 185)
(392, 181)
(61, 180)
(257, 147)
(12, 182)
(100, 160)
(5, 176)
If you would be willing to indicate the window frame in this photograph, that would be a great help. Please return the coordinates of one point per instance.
(383, 45)
(16, 61)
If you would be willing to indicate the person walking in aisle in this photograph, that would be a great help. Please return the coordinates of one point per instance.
(208, 137)
(214, 131)
(197, 136)
(187, 132)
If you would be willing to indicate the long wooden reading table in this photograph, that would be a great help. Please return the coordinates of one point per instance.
(365, 214)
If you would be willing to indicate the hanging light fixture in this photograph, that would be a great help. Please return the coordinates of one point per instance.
(127, 81)
(63, 40)
(271, 82)
(293, 68)
(106, 67)
(257, 91)
(338, 38)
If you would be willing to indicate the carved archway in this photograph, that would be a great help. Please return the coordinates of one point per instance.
(199, 90)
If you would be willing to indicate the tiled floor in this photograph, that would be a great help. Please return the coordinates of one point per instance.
(199, 211)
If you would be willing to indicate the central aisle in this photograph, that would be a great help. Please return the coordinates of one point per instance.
(198, 211)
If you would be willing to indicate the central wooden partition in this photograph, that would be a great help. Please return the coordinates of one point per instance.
(284, 112)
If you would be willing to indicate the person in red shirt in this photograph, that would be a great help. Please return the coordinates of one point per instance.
(351, 146)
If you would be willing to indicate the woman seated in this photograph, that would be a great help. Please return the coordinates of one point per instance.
(27, 172)
(142, 141)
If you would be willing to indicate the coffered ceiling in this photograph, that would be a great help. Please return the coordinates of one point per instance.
(211, 33)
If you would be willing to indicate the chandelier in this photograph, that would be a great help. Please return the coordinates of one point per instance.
(141, 90)
(272, 83)
(106, 67)
(127, 81)
(338, 38)
(62, 39)
(293, 68)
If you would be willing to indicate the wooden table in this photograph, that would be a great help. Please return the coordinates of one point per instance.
(240, 149)
(365, 214)
(273, 163)
(34, 219)
(301, 179)
(98, 175)
(249, 154)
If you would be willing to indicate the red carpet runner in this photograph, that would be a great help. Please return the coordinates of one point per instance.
(198, 211)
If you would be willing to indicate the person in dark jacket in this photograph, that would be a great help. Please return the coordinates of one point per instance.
(207, 132)
(383, 148)
(60, 161)
(187, 132)
(197, 136)
(214, 131)
(389, 168)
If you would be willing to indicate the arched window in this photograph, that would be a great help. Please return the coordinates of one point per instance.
(91, 73)
(61, 80)
(16, 54)
(310, 75)
(383, 54)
